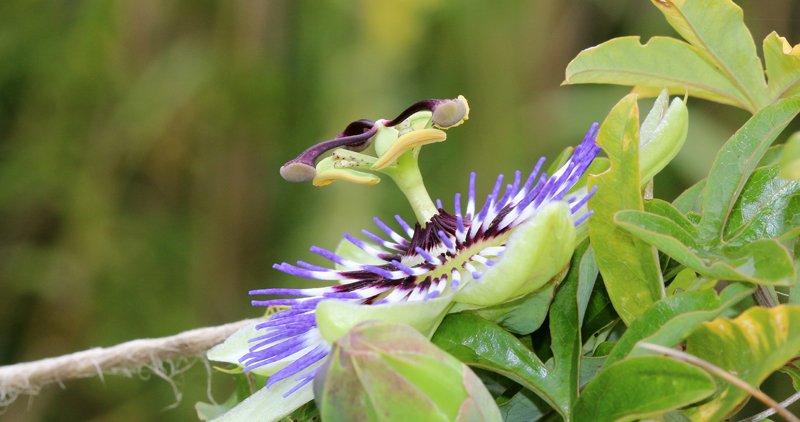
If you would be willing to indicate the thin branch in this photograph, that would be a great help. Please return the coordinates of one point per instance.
(700, 363)
(29, 377)
(769, 412)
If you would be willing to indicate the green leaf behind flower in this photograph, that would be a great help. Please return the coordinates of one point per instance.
(479, 343)
(625, 61)
(669, 321)
(717, 29)
(639, 387)
(790, 158)
(629, 266)
(763, 261)
(783, 66)
(768, 208)
(752, 346)
(737, 159)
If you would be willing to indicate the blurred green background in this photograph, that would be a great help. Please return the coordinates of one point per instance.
(140, 142)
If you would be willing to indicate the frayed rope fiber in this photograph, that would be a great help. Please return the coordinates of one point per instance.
(29, 377)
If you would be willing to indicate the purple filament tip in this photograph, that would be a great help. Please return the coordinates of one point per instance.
(583, 217)
(446, 240)
(379, 271)
(403, 268)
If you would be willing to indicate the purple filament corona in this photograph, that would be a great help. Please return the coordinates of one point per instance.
(408, 266)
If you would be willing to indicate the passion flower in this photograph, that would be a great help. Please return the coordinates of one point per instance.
(519, 238)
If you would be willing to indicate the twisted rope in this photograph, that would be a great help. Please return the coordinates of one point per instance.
(125, 358)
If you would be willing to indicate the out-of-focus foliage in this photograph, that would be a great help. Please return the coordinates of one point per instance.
(140, 143)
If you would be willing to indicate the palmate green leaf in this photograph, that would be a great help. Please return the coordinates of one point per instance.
(767, 208)
(662, 62)
(717, 29)
(639, 387)
(480, 343)
(741, 215)
(783, 66)
(794, 374)
(629, 266)
(669, 321)
(764, 261)
(524, 406)
(683, 282)
(772, 156)
(752, 346)
(691, 200)
(565, 322)
(590, 366)
(599, 312)
(737, 159)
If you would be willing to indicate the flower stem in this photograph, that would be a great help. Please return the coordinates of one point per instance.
(408, 178)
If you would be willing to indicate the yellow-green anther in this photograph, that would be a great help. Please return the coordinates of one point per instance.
(537, 251)
(451, 113)
(389, 372)
(406, 142)
(327, 173)
(661, 136)
(297, 172)
(790, 158)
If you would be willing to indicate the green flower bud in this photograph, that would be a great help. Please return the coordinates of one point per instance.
(382, 371)
(661, 135)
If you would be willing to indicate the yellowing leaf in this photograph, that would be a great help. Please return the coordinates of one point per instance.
(661, 62)
(629, 266)
(752, 346)
(717, 29)
(783, 66)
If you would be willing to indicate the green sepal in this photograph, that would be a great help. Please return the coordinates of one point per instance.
(268, 404)
(537, 250)
(520, 316)
(336, 317)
